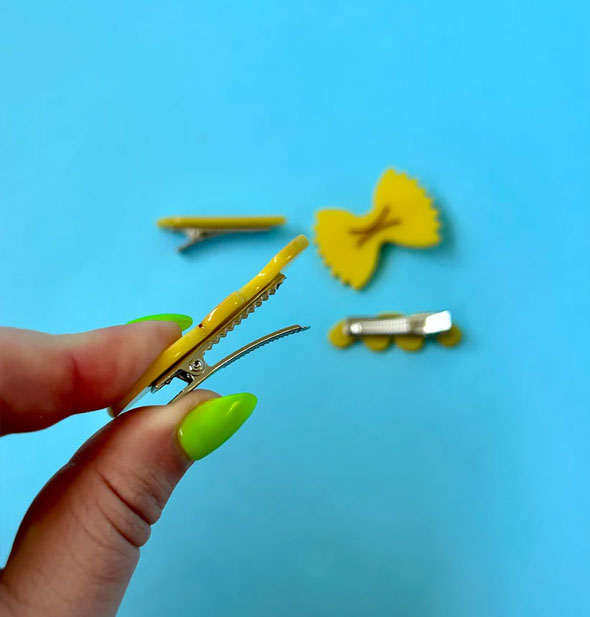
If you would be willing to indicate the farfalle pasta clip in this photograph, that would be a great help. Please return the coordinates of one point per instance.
(402, 213)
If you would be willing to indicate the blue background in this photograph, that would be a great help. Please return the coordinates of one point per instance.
(451, 482)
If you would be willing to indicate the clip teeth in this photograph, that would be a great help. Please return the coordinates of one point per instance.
(270, 338)
(270, 291)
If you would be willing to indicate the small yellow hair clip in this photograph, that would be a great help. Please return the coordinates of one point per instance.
(408, 332)
(199, 228)
(402, 213)
(184, 359)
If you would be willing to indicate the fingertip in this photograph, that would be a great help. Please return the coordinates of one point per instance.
(107, 362)
(176, 411)
(161, 329)
(166, 417)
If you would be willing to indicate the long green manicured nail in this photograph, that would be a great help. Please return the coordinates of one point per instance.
(182, 321)
(213, 422)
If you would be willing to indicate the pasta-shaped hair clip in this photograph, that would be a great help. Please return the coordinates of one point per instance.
(199, 228)
(185, 360)
(402, 213)
(408, 332)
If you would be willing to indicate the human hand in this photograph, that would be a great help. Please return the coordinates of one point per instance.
(79, 542)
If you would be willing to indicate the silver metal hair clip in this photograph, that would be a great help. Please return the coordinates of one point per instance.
(407, 331)
(422, 324)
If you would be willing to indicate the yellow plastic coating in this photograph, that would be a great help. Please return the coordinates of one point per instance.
(377, 343)
(225, 311)
(220, 222)
(450, 338)
(402, 213)
(409, 342)
(337, 337)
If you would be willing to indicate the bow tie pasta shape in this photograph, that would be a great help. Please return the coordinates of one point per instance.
(402, 213)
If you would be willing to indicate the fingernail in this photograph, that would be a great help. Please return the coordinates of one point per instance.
(182, 321)
(213, 422)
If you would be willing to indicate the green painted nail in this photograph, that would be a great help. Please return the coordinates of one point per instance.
(213, 422)
(183, 321)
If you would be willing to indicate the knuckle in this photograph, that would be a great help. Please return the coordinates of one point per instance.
(127, 524)
(130, 501)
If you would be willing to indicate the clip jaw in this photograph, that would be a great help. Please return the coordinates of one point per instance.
(194, 370)
(184, 359)
(197, 229)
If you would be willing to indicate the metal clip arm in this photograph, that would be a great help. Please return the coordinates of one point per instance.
(194, 235)
(194, 370)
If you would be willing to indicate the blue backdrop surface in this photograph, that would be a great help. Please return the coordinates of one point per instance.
(448, 483)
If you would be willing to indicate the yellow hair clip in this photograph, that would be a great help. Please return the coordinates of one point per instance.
(184, 359)
(408, 332)
(402, 213)
(199, 228)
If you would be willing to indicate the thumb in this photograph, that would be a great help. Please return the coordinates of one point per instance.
(79, 542)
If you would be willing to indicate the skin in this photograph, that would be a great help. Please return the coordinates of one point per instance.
(79, 542)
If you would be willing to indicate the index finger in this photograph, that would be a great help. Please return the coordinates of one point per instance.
(45, 378)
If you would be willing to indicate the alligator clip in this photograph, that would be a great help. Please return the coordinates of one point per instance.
(406, 331)
(199, 228)
(184, 359)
